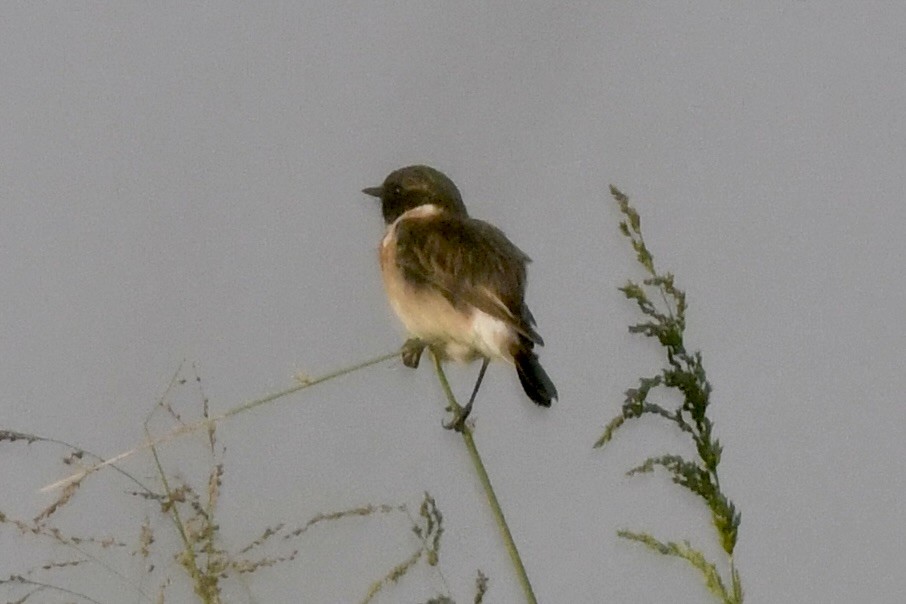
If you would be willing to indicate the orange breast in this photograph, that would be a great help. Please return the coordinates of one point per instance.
(460, 334)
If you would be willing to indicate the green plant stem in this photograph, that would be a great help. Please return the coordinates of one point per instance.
(191, 563)
(304, 383)
(190, 428)
(488, 489)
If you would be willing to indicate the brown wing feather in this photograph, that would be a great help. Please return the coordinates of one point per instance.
(470, 262)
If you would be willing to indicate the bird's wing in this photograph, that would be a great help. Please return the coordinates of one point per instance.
(471, 263)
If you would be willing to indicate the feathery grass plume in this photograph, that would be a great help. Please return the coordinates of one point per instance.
(173, 506)
(428, 527)
(84, 553)
(481, 587)
(684, 373)
(208, 564)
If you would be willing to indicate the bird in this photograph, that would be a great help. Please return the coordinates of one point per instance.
(455, 282)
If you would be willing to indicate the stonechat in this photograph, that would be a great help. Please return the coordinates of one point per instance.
(457, 283)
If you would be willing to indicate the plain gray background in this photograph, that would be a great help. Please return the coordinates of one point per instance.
(180, 183)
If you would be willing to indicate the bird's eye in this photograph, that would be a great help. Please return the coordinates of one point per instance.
(397, 190)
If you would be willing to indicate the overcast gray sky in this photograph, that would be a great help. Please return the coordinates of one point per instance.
(181, 182)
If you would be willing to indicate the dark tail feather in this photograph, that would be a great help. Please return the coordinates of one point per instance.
(534, 379)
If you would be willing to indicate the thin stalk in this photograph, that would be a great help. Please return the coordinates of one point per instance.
(488, 489)
(173, 512)
(190, 428)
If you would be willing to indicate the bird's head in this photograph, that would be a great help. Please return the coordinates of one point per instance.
(415, 186)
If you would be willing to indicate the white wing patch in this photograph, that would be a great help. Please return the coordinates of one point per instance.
(492, 336)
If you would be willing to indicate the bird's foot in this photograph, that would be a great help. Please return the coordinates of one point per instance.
(411, 352)
(460, 415)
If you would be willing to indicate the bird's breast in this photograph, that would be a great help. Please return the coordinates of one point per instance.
(459, 332)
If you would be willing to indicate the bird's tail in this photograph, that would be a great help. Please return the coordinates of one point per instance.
(537, 385)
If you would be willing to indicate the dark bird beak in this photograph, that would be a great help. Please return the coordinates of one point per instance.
(374, 191)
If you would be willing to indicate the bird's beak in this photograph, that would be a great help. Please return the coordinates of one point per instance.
(374, 191)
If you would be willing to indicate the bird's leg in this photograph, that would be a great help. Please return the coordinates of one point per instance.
(484, 367)
(460, 415)
(411, 352)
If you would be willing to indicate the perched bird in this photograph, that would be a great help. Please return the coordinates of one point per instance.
(456, 283)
